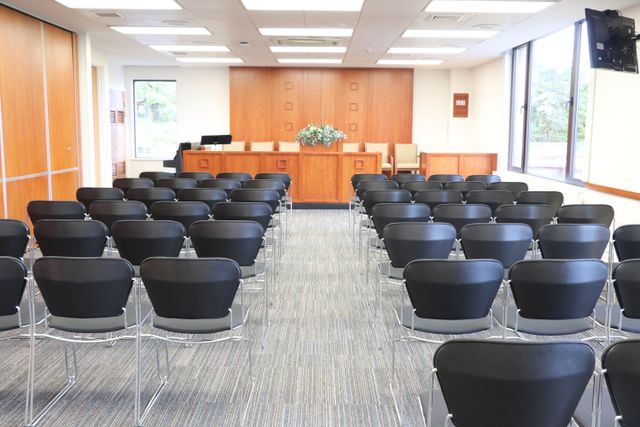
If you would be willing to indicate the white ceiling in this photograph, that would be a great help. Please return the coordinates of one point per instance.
(377, 27)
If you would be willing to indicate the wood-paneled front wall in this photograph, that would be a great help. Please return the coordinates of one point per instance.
(318, 176)
(464, 164)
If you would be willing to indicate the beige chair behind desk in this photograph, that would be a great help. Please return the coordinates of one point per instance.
(262, 146)
(350, 147)
(234, 146)
(288, 147)
(383, 148)
(406, 157)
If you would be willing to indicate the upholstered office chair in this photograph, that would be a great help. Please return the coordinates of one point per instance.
(487, 179)
(622, 373)
(14, 238)
(433, 198)
(235, 146)
(350, 147)
(210, 196)
(198, 176)
(186, 213)
(445, 178)
(177, 184)
(238, 176)
(225, 184)
(515, 187)
(155, 176)
(406, 158)
(149, 196)
(266, 146)
(573, 241)
(71, 237)
(127, 183)
(551, 198)
(383, 148)
(491, 198)
(55, 209)
(288, 147)
(586, 214)
(402, 178)
(108, 212)
(87, 195)
(138, 240)
(465, 186)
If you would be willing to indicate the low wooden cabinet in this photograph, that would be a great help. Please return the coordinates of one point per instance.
(464, 164)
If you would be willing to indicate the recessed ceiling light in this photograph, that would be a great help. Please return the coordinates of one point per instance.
(410, 62)
(310, 5)
(188, 48)
(427, 50)
(307, 32)
(313, 49)
(463, 6)
(212, 60)
(120, 4)
(309, 61)
(449, 34)
(188, 31)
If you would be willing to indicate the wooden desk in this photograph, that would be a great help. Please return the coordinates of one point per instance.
(320, 176)
(464, 164)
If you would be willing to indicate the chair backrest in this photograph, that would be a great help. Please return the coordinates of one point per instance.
(262, 146)
(186, 213)
(155, 176)
(491, 198)
(557, 289)
(278, 176)
(270, 197)
(259, 212)
(87, 195)
(236, 240)
(506, 384)
(191, 288)
(586, 214)
(138, 240)
(177, 184)
(460, 215)
(234, 146)
(573, 241)
(373, 197)
(513, 186)
(444, 178)
(288, 147)
(71, 237)
(401, 178)
(149, 196)
(363, 186)
(54, 209)
(626, 240)
(408, 241)
(225, 184)
(238, 176)
(415, 186)
(267, 184)
(127, 183)
(551, 198)
(84, 287)
(433, 198)
(358, 177)
(465, 186)
(626, 282)
(453, 289)
(487, 179)
(350, 147)
(198, 176)
(507, 243)
(108, 212)
(14, 238)
(405, 153)
(386, 213)
(623, 380)
(378, 147)
(13, 280)
(210, 196)
(535, 216)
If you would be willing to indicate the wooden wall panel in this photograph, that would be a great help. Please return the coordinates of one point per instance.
(61, 97)
(251, 104)
(320, 177)
(22, 94)
(297, 101)
(345, 101)
(22, 192)
(64, 185)
(284, 163)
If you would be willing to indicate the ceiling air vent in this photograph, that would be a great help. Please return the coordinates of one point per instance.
(108, 15)
(444, 18)
(307, 41)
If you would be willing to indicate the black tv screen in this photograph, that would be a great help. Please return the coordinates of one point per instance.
(612, 41)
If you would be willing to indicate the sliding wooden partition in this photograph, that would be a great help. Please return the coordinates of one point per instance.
(369, 105)
(39, 145)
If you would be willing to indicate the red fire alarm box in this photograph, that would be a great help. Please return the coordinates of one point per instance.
(460, 105)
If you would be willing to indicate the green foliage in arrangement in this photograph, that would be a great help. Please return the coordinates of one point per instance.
(319, 135)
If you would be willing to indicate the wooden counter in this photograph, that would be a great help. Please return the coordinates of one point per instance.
(464, 164)
(319, 176)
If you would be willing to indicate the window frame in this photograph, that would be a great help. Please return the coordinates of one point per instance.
(134, 115)
(513, 107)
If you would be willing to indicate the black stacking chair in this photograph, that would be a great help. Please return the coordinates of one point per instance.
(84, 297)
(626, 240)
(191, 299)
(461, 215)
(198, 176)
(228, 185)
(507, 243)
(554, 297)
(373, 197)
(622, 374)
(446, 178)
(186, 213)
(108, 212)
(465, 186)
(270, 197)
(402, 178)
(244, 211)
(491, 198)
(360, 190)
(415, 186)
(625, 315)
(149, 196)
(55, 209)
(500, 384)
(125, 184)
(138, 240)
(573, 241)
(71, 237)
(267, 184)
(177, 184)
(586, 214)
(155, 176)
(364, 186)
(433, 198)
(13, 281)
(515, 187)
(550, 198)
(535, 216)
(210, 196)
(285, 178)
(238, 176)
(14, 238)
(487, 179)
(87, 195)
(359, 177)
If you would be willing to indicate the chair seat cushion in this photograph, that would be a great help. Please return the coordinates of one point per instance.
(249, 271)
(546, 327)
(202, 326)
(584, 409)
(9, 322)
(101, 324)
(628, 324)
(386, 165)
(441, 326)
(408, 165)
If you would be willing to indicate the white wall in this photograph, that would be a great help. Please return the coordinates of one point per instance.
(202, 105)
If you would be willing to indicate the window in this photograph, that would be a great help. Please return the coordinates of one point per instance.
(548, 106)
(155, 124)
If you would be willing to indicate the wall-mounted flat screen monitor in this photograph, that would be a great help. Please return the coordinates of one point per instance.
(612, 41)
(215, 139)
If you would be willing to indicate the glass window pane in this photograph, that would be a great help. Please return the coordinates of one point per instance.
(156, 128)
(552, 58)
(582, 97)
(518, 113)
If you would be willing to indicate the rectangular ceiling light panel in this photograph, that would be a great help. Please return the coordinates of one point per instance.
(464, 6)
(189, 48)
(306, 32)
(211, 60)
(449, 34)
(410, 62)
(309, 61)
(312, 49)
(174, 31)
(427, 50)
(121, 4)
(305, 5)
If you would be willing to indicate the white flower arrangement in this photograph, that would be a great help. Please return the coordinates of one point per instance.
(319, 135)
